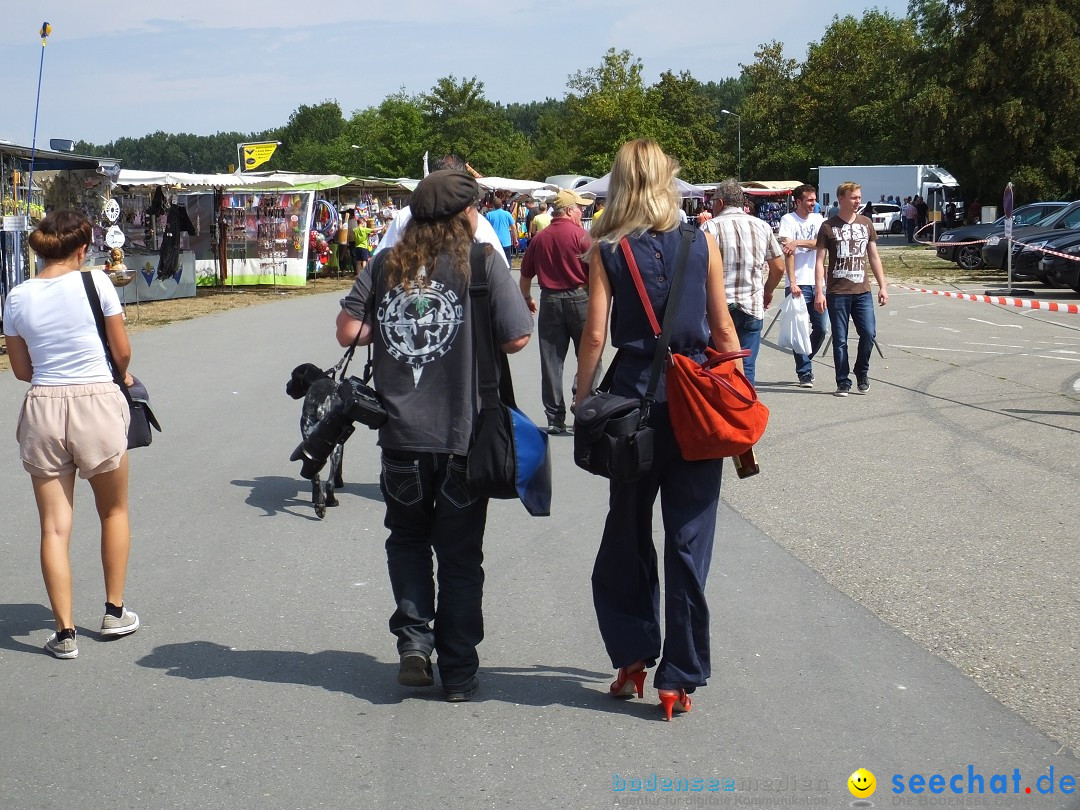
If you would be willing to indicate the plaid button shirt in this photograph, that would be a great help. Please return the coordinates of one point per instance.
(746, 243)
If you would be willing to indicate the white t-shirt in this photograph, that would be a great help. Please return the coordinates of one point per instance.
(484, 233)
(795, 227)
(54, 317)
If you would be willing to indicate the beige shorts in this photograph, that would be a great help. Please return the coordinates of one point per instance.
(67, 427)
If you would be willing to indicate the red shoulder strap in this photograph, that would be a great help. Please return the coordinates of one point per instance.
(631, 262)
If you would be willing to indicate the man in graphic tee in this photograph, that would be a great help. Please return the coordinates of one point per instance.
(798, 239)
(850, 243)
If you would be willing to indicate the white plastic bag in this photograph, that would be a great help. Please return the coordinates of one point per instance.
(794, 325)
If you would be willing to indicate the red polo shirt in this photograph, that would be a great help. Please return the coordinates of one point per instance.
(554, 256)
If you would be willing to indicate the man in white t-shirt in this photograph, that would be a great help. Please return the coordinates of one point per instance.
(483, 233)
(798, 240)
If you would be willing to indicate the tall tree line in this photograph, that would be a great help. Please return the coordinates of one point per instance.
(988, 90)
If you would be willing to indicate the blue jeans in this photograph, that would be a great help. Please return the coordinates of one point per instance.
(803, 366)
(860, 309)
(429, 508)
(748, 329)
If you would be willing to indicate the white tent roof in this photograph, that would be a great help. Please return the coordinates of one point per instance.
(599, 187)
(517, 186)
(265, 180)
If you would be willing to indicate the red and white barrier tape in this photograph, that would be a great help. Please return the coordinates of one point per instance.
(1069, 256)
(1023, 303)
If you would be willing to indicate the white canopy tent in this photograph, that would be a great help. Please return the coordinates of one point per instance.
(599, 188)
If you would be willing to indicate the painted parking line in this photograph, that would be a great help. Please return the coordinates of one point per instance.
(942, 349)
(991, 323)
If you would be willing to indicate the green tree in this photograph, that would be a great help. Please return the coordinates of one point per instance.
(855, 89)
(772, 144)
(1005, 93)
(605, 107)
(315, 140)
(691, 126)
(392, 138)
(460, 120)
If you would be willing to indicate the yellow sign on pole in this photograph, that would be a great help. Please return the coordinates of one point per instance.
(256, 154)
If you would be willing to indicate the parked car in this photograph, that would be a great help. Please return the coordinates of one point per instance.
(1062, 272)
(969, 257)
(993, 252)
(886, 218)
(1027, 257)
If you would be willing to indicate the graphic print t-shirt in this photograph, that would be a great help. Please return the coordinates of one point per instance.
(847, 265)
(423, 350)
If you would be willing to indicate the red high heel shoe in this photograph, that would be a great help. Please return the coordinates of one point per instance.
(626, 683)
(674, 700)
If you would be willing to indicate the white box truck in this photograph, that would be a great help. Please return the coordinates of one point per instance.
(934, 184)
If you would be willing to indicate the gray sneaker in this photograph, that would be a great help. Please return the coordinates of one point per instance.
(65, 647)
(842, 390)
(127, 622)
(864, 384)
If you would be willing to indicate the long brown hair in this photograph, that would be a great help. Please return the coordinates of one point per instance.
(422, 243)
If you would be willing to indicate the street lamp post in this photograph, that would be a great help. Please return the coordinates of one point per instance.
(738, 121)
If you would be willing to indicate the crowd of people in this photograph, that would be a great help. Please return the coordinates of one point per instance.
(418, 270)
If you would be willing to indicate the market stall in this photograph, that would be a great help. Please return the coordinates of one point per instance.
(60, 180)
(771, 198)
(239, 229)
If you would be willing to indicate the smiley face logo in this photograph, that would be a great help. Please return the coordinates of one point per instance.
(862, 784)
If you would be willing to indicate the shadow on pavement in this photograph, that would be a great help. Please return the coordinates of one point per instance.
(360, 675)
(277, 494)
(22, 620)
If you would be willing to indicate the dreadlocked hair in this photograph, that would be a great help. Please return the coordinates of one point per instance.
(420, 246)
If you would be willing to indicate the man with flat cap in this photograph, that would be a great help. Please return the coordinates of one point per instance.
(554, 260)
(412, 303)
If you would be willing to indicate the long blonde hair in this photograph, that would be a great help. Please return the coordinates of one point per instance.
(641, 193)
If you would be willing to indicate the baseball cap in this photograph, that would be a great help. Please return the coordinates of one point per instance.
(567, 197)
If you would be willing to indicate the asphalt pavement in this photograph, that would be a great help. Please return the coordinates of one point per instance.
(896, 591)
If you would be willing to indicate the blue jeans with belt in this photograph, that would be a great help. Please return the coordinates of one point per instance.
(429, 508)
(625, 582)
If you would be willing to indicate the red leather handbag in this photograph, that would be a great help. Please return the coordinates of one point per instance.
(713, 407)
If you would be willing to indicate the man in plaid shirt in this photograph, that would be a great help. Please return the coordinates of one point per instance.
(747, 245)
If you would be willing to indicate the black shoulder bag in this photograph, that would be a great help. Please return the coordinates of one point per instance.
(612, 437)
(142, 417)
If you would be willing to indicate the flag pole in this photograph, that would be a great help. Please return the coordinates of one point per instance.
(46, 29)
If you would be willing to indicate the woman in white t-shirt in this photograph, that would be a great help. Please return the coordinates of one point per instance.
(74, 417)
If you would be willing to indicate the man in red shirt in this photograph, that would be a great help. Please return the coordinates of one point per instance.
(554, 259)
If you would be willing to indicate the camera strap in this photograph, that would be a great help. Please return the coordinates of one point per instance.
(342, 366)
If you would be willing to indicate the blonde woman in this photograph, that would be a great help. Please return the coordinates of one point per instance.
(643, 207)
(74, 417)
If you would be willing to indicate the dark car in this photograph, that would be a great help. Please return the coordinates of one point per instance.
(993, 252)
(1061, 272)
(1028, 256)
(969, 256)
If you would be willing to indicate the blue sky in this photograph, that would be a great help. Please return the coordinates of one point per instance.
(116, 68)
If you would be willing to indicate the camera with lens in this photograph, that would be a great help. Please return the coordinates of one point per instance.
(357, 402)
